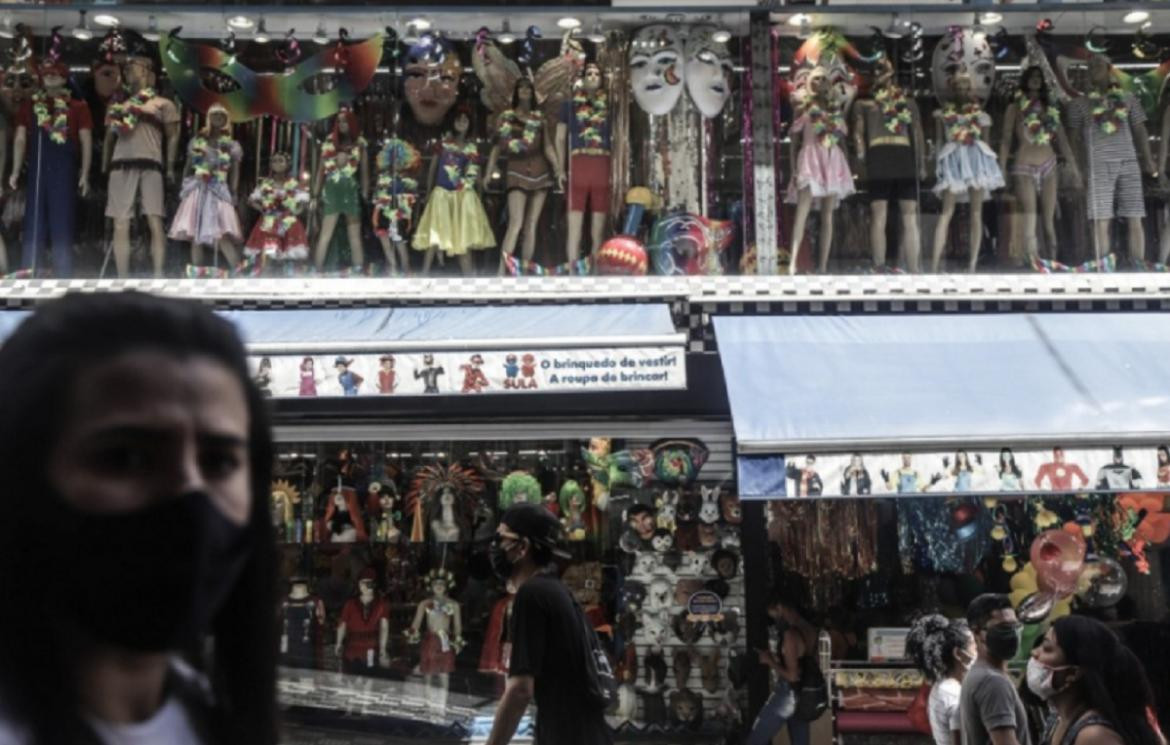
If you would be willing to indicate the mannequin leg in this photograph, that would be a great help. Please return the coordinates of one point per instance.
(532, 222)
(328, 223)
(803, 205)
(230, 252)
(942, 228)
(597, 231)
(429, 259)
(388, 253)
(1026, 215)
(976, 235)
(1137, 240)
(828, 207)
(466, 265)
(911, 242)
(1164, 237)
(441, 691)
(516, 201)
(357, 254)
(1048, 193)
(158, 243)
(1101, 238)
(877, 230)
(196, 253)
(122, 246)
(576, 225)
(3, 256)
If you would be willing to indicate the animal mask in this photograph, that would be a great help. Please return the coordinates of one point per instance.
(632, 595)
(656, 68)
(662, 541)
(686, 708)
(732, 511)
(682, 668)
(709, 511)
(709, 669)
(659, 597)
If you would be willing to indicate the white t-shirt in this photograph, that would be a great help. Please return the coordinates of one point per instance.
(943, 708)
(171, 725)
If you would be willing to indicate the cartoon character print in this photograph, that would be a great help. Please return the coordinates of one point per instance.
(959, 51)
(387, 378)
(520, 372)
(528, 371)
(474, 380)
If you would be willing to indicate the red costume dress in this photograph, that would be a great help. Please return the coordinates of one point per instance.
(361, 630)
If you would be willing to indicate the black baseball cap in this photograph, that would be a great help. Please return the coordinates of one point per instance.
(537, 524)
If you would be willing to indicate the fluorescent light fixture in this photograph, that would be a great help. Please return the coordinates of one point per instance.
(242, 23)
(151, 33)
(82, 31)
(420, 24)
(721, 36)
(506, 36)
(1136, 16)
(106, 19)
(990, 18)
(568, 23)
(261, 36)
(319, 36)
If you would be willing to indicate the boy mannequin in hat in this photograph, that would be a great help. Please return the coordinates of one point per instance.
(549, 645)
(141, 145)
(61, 135)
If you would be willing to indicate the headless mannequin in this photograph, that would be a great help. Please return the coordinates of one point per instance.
(962, 93)
(353, 226)
(863, 140)
(524, 206)
(1030, 156)
(1100, 78)
(219, 127)
(818, 84)
(138, 73)
(444, 632)
(590, 82)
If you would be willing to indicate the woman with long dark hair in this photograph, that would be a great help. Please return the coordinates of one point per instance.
(137, 562)
(1095, 684)
(943, 649)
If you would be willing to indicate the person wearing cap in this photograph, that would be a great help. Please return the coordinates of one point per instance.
(62, 135)
(549, 642)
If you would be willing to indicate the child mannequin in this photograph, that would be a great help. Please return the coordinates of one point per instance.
(442, 639)
(394, 198)
(279, 234)
(207, 212)
(342, 182)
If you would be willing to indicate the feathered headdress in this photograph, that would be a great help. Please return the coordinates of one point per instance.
(431, 481)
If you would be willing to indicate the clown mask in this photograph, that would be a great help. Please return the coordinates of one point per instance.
(656, 68)
(432, 80)
(708, 71)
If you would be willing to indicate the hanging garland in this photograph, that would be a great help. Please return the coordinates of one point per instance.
(333, 158)
(895, 110)
(124, 116)
(55, 121)
(279, 203)
(463, 176)
(591, 116)
(829, 127)
(394, 197)
(1040, 122)
(1109, 111)
(963, 126)
(211, 163)
(528, 124)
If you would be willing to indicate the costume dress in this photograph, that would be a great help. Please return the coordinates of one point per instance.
(821, 165)
(966, 162)
(207, 209)
(454, 220)
(340, 194)
(279, 233)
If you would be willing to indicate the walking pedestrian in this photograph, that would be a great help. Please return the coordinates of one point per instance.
(944, 650)
(798, 645)
(989, 707)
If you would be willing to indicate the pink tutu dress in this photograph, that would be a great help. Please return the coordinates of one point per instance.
(821, 165)
(207, 211)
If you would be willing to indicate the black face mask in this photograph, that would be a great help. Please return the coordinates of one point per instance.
(499, 558)
(1003, 641)
(151, 580)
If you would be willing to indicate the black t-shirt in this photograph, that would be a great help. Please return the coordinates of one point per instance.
(548, 643)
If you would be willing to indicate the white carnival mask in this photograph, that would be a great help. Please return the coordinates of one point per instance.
(962, 51)
(657, 71)
(708, 71)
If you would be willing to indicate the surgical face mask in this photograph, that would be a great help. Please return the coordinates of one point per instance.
(1003, 641)
(1040, 678)
(964, 661)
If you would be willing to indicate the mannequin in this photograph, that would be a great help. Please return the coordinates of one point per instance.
(394, 197)
(967, 167)
(888, 140)
(523, 135)
(583, 146)
(279, 234)
(1034, 118)
(139, 129)
(1113, 143)
(343, 517)
(207, 212)
(454, 220)
(442, 639)
(363, 629)
(343, 179)
(302, 615)
(61, 126)
(444, 527)
(821, 172)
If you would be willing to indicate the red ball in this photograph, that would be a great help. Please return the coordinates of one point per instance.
(623, 255)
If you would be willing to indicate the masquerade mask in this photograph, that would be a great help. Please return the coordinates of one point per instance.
(432, 79)
(959, 51)
(291, 96)
(708, 71)
(656, 68)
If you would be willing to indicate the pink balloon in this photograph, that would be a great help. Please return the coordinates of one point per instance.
(1058, 558)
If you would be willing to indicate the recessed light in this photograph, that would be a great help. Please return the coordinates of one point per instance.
(261, 36)
(1136, 16)
(82, 31)
(241, 22)
(990, 18)
(721, 36)
(799, 19)
(107, 20)
(569, 23)
(420, 24)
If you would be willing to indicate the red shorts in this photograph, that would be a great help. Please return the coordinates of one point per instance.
(589, 183)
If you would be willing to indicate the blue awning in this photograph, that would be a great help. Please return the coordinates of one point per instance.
(818, 384)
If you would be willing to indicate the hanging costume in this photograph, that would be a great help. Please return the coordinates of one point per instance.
(207, 211)
(454, 220)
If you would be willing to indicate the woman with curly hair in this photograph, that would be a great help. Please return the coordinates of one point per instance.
(943, 649)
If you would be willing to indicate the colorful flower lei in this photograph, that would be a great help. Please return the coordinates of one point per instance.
(1110, 111)
(829, 127)
(123, 116)
(591, 116)
(394, 197)
(895, 109)
(55, 122)
(465, 177)
(962, 126)
(211, 164)
(529, 124)
(278, 204)
(1040, 122)
(332, 158)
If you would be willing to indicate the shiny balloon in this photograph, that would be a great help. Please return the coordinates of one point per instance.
(1036, 607)
(1102, 583)
(1058, 557)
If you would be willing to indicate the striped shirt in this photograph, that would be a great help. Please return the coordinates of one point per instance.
(1102, 147)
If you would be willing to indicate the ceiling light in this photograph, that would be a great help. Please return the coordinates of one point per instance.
(82, 30)
(597, 36)
(721, 36)
(261, 36)
(151, 33)
(1136, 16)
(506, 36)
(568, 23)
(420, 24)
(242, 23)
(6, 31)
(319, 36)
(107, 20)
(1147, 25)
(990, 18)
(895, 29)
(799, 19)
